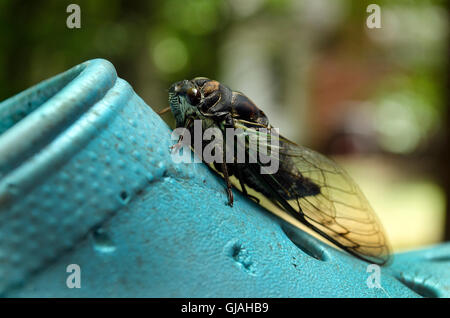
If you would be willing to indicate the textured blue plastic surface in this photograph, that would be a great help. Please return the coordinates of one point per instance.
(86, 178)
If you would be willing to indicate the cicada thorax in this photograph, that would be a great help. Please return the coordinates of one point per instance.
(220, 101)
(243, 108)
(224, 106)
(218, 106)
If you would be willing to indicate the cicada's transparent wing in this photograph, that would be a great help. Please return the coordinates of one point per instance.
(340, 209)
(337, 210)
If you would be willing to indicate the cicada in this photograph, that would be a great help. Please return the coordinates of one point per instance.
(308, 186)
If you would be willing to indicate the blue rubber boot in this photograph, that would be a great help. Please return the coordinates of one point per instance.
(91, 198)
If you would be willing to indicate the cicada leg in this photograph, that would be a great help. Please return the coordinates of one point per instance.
(227, 180)
(243, 187)
(179, 143)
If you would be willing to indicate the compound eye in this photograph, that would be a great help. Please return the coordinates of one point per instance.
(193, 95)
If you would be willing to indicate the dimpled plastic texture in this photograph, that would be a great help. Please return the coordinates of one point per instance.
(86, 178)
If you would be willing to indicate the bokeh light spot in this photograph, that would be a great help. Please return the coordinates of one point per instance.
(170, 55)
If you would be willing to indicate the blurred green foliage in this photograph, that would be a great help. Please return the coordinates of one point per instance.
(154, 43)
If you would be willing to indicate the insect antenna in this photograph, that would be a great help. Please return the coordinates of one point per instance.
(163, 111)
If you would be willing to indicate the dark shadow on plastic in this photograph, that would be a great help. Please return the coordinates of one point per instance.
(439, 259)
(304, 241)
(419, 287)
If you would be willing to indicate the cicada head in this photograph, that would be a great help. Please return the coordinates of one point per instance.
(184, 96)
